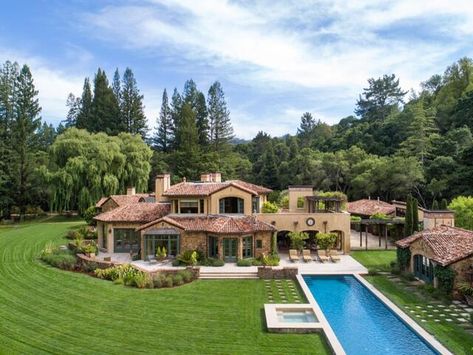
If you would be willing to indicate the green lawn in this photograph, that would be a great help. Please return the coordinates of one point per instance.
(46, 310)
(450, 334)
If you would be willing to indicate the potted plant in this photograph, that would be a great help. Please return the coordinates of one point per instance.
(161, 253)
(326, 241)
(466, 290)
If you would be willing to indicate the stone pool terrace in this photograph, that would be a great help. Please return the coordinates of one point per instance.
(346, 265)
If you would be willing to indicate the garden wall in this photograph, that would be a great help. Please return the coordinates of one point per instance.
(265, 272)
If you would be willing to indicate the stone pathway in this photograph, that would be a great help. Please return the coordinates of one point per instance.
(282, 291)
(455, 313)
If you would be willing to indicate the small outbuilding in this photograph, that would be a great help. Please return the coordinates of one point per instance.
(444, 246)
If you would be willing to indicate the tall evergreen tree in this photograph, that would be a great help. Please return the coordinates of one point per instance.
(84, 115)
(444, 204)
(202, 120)
(164, 134)
(380, 98)
(435, 205)
(189, 95)
(26, 122)
(131, 108)
(105, 111)
(415, 215)
(176, 110)
(8, 80)
(408, 220)
(221, 130)
(116, 86)
(188, 154)
(306, 129)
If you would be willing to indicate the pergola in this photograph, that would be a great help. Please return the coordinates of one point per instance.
(330, 204)
(382, 223)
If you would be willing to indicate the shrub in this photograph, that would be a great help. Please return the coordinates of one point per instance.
(408, 276)
(88, 267)
(465, 289)
(89, 215)
(270, 260)
(326, 240)
(168, 281)
(124, 272)
(445, 277)
(403, 258)
(73, 234)
(142, 280)
(161, 253)
(245, 262)
(257, 262)
(87, 233)
(177, 280)
(58, 258)
(269, 207)
(379, 215)
(187, 276)
(158, 280)
(189, 257)
(212, 262)
(395, 269)
(284, 201)
(176, 262)
(297, 239)
(355, 219)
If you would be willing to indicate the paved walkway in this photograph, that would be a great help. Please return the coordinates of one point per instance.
(373, 242)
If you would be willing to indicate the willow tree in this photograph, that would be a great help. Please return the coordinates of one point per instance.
(85, 166)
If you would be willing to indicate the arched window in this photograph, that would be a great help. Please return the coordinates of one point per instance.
(231, 205)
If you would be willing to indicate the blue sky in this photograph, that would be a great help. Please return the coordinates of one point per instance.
(275, 59)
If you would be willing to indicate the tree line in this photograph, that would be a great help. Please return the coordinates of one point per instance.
(396, 143)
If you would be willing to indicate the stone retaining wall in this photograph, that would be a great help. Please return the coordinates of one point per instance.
(267, 272)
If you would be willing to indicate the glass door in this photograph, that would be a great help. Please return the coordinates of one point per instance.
(213, 247)
(230, 246)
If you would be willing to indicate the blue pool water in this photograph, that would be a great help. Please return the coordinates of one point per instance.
(361, 322)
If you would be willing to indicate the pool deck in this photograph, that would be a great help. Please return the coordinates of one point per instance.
(346, 265)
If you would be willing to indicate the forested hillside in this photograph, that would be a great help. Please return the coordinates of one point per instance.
(396, 142)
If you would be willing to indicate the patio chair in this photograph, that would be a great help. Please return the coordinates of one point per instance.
(293, 255)
(306, 255)
(324, 257)
(334, 256)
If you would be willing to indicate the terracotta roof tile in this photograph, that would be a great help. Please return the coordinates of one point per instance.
(370, 207)
(101, 202)
(208, 188)
(138, 212)
(218, 224)
(448, 244)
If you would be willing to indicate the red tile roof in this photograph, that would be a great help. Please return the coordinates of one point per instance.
(218, 224)
(122, 200)
(448, 244)
(138, 212)
(370, 207)
(208, 188)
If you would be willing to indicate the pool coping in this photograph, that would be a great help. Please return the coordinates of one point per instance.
(330, 334)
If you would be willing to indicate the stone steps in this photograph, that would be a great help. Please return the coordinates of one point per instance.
(228, 275)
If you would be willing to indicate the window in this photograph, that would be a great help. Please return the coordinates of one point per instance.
(300, 202)
(125, 240)
(255, 204)
(175, 204)
(189, 206)
(168, 241)
(201, 206)
(213, 247)
(259, 243)
(248, 247)
(423, 268)
(231, 205)
(104, 236)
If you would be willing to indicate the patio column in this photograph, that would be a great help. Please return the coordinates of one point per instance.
(386, 237)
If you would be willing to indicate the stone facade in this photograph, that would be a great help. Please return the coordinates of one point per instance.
(266, 273)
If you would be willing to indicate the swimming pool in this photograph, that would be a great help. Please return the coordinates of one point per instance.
(362, 323)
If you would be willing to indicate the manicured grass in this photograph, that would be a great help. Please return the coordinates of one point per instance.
(46, 310)
(452, 335)
(283, 291)
(376, 260)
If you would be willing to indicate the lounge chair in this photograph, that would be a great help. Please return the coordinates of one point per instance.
(324, 257)
(306, 255)
(334, 256)
(293, 255)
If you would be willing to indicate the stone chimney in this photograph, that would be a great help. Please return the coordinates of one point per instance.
(216, 177)
(162, 183)
(205, 177)
(130, 191)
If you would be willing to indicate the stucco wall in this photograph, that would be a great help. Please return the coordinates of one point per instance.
(432, 222)
(462, 269)
(108, 205)
(230, 191)
(109, 233)
(294, 194)
(324, 222)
